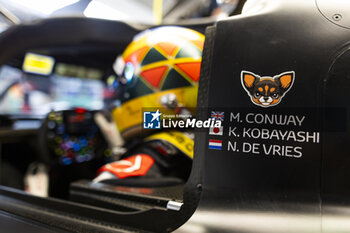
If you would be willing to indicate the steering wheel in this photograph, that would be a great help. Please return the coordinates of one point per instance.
(71, 136)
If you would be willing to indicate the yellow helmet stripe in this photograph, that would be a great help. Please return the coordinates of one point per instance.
(168, 62)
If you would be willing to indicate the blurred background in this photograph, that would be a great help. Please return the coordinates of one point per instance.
(57, 70)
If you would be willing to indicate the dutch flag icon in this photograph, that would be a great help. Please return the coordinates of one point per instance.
(215, 144)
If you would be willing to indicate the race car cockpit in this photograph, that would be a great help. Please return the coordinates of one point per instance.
(54, 87)
(90, 106)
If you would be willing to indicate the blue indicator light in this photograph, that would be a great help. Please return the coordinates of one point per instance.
(66, 161)
(76, 147)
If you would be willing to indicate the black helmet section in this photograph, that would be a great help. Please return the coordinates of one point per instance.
(278, 79)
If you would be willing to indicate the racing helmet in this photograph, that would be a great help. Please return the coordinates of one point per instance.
(159, 64)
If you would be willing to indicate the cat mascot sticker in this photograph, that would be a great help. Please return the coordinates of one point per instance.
(267, 91)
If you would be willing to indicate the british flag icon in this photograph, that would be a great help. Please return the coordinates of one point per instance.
(219, 116)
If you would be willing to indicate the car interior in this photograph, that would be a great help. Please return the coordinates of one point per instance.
(48, 126)
(56, 76)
